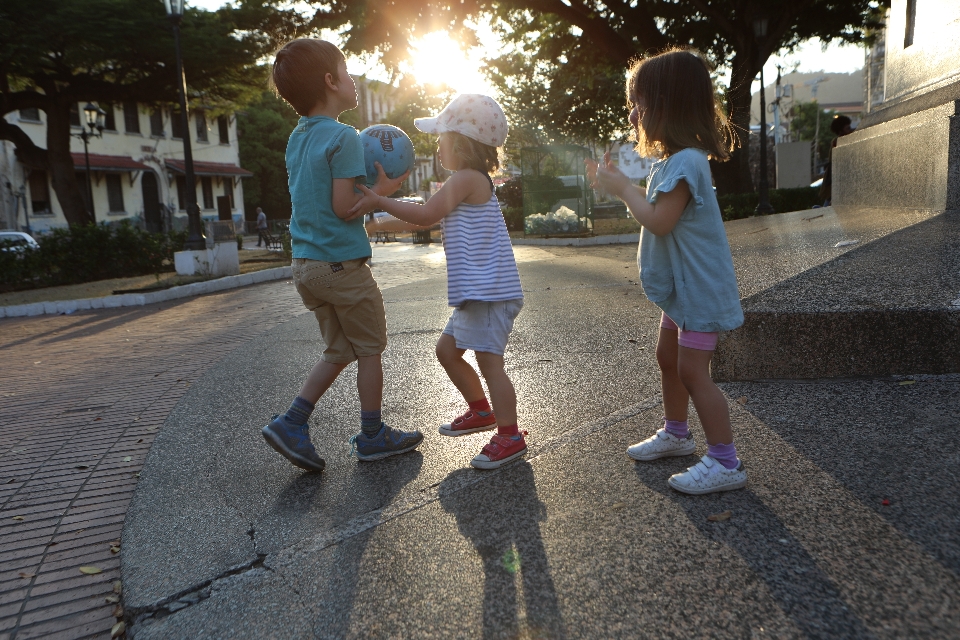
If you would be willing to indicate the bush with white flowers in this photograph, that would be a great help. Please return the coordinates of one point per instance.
(563, 220)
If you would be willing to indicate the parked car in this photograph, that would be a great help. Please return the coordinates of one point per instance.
(17, 241)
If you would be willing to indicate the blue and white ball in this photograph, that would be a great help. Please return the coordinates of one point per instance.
(391, 147)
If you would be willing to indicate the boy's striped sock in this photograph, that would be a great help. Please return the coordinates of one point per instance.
(299, 412)
(370, 422)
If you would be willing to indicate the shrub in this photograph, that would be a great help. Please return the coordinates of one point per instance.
(513, 216)
(510, 193)
(743, 205)
(87, 253)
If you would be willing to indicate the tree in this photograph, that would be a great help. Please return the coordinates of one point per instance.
(803, 126)
(56, 53)
(263, 128)
(585, 35)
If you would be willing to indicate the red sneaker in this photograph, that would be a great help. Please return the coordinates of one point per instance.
(500, 450)
(470, 422)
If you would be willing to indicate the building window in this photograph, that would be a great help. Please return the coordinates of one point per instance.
(156, 122)
(176, 124)
(228, 190)
(206, 184)
(911, 23)
(115, 192)
(109, 121)
(39, 192)
(201, 119)
(224, 127)
(75, 115)
(182, 193)
(131, 117)
(31, 114)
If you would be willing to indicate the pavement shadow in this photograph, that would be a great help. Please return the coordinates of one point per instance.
(502, 521)
(793, 579)
(86, 325)
(379, 482)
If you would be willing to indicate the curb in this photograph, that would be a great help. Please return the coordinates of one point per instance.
(624, 238)
(140, 299)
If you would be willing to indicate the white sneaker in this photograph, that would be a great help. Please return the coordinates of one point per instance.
(662, 445)
(709, 476)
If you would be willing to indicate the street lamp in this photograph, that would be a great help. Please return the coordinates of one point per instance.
(195, 240)
(95, 117)
(763, 207)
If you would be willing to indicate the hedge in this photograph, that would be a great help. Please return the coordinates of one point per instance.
(743, 205)
(87, 253)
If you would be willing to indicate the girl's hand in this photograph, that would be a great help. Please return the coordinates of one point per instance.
(385, 186)
(592, 166)
(610, 179)
(368, 202)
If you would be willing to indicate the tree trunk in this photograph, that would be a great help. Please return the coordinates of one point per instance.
(733, 176)
(60, 163)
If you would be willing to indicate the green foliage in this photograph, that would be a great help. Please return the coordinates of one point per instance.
(803, 125)
(743, 205)
(84, 253)
(262, 132)
(510, 193)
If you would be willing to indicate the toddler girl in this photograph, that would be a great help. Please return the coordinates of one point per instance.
(483, 284)
(685, 264)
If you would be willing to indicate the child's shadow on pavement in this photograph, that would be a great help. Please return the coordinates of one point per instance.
(793, 578)
(501, 519)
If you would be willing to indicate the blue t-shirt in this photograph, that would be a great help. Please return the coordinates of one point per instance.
(688, 272)
(320, 150)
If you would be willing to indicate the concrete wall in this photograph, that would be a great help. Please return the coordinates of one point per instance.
(931, 60)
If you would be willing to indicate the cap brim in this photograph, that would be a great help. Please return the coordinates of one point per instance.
(427, 125)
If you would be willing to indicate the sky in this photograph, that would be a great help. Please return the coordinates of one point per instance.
(438, 59)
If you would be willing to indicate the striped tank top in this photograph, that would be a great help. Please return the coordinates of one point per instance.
(480, 262)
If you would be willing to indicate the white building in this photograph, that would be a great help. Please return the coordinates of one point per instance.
(136, 169)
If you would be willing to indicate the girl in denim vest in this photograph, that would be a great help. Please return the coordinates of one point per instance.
(685, 264)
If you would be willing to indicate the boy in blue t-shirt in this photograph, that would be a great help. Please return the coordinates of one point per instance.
(330, 252)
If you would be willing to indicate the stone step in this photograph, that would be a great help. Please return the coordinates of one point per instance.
(886, 303)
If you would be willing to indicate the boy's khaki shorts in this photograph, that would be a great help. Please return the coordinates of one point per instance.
(348, 305)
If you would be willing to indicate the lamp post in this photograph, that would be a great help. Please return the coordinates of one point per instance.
(763, 207)
(195, 239)
(95, 117)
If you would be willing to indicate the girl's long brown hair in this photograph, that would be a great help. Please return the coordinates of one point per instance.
(682, 109)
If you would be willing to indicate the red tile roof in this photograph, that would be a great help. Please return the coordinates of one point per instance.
(99, 162)
(209, 168)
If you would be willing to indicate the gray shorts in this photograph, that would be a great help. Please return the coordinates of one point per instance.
(483, 326)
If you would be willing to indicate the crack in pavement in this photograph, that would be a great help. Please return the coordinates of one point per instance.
(193, 595)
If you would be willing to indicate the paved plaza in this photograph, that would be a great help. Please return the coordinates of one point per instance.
(838, 533)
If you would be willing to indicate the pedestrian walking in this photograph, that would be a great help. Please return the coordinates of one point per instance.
(330, 251)
(262, 228)
(483, 284)
(686, 268)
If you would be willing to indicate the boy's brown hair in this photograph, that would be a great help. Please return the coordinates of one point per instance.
(299, 70)
(473, 154)
(682, 108)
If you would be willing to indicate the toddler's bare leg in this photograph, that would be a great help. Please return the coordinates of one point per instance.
(709, 401)
(503, 397)
(461, 374)
(675, 396)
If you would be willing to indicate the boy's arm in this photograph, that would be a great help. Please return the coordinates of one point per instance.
(345, 196)
(454, 191)
(662, 216)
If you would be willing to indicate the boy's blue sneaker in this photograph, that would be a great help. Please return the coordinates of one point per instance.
(293, 443)
(388, 442)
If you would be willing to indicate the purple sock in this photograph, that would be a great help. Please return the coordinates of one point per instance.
(676, 428)
(725, 454)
